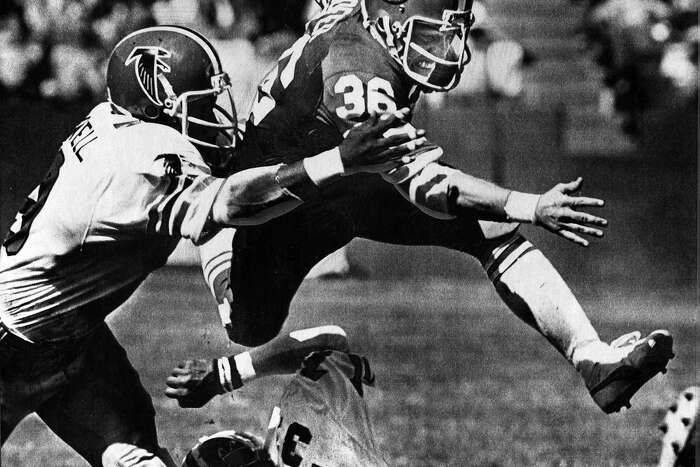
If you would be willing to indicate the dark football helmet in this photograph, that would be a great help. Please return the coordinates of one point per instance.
(427, 37)
(173, 75)
(228, 449)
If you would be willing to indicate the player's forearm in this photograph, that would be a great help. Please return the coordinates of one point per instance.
(282, 355)
(257, 195)
(488, 200)
(470, 193)
(444, 192)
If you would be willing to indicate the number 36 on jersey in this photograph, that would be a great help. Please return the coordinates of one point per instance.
(357, 99)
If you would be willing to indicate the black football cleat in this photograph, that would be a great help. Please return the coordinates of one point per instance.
(612, 385)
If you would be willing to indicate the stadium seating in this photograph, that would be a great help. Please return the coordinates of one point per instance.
(564, 72)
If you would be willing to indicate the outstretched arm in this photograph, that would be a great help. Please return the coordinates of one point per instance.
(447, 191)
(193, 383)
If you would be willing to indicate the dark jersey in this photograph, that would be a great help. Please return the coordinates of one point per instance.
(337, 74)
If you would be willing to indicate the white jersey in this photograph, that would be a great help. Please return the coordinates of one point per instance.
(324, 416)
(117, 200)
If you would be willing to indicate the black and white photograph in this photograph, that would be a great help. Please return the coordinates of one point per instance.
(349, 233)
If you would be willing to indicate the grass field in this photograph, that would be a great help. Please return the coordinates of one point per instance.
(460, 380)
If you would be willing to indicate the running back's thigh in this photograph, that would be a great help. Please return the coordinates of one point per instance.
(384, 215)
(270, 262)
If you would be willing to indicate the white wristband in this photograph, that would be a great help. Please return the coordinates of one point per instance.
(225, 377)
(521, 207)
(324, 166)
(244, 364)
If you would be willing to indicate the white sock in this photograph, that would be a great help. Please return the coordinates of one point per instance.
(533, 289)
(596, 351)
(602, 352)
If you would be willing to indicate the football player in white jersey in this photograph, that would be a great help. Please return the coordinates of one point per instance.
(132, 180)
(322, 418)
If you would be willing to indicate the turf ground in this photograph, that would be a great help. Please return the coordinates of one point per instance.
(460, 380)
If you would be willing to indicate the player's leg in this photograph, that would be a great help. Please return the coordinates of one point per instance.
(270, 262)
(525, 280)
(103, 412)
(532, 288)
(11, 413)
(29, 375)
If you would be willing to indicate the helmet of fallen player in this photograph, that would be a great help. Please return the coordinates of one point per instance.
(228, 449)
(427, 37)
(173, 75)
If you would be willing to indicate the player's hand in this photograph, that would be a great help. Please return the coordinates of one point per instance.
(380, 143)
(193, 383)
(558, 212)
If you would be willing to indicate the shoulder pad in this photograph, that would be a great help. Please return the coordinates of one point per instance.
(163, 149)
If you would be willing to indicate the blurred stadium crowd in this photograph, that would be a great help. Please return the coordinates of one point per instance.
(57, 49)
(648, 50)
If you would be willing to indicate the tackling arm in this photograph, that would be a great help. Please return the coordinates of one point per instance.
(256, 195)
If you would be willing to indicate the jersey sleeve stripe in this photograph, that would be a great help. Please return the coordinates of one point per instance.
(180, 209)
(208, 264)
(165, 208)
(215, 271)
(153, 213)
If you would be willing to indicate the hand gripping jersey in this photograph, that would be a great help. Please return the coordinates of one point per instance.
(336, 75)
(112, 208)
(324, 416)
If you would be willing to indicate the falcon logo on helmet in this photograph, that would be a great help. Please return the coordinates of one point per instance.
(149, 64)
(172, 75)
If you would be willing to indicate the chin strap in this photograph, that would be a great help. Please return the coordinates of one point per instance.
(171, 97)
(384, 31)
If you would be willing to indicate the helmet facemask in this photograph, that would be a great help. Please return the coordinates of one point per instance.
(228, 448)
(433, 52)
(196, 118)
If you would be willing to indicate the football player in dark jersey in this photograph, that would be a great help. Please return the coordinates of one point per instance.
(359, 57)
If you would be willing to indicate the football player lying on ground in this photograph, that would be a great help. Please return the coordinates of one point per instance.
(359, 56)
(322, 417)
(127, 185)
